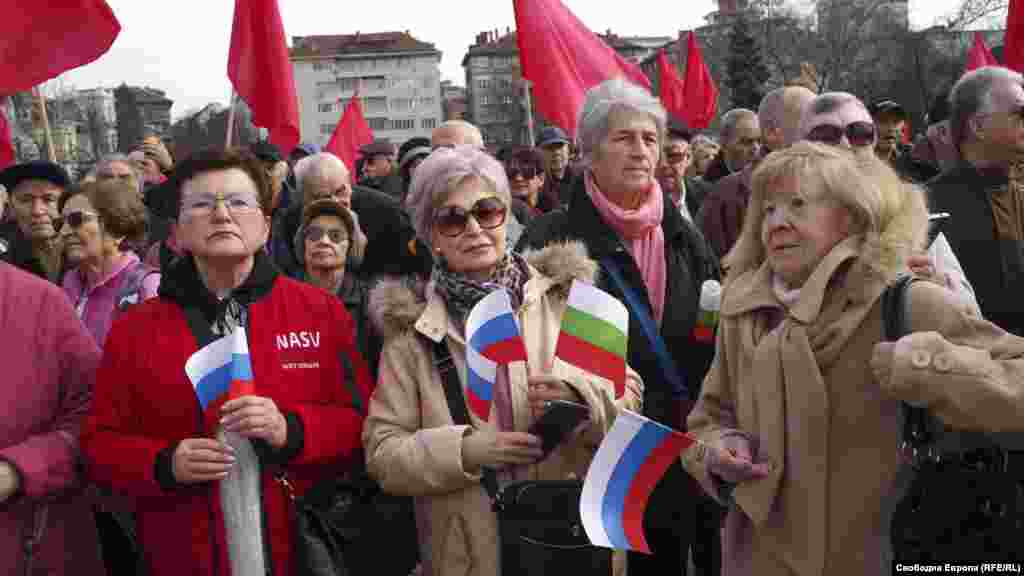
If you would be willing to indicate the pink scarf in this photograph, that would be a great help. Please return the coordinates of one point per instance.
(641, 230)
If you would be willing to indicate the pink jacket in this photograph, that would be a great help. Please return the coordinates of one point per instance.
(97, 305)
(49, 363)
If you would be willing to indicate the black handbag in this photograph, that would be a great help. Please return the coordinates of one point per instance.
(539, 526)
(962, 505)
(339, 523)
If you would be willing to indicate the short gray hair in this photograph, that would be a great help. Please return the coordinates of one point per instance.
(476, 138)
(824, 104)
(972, 95)
(605, 98)
(117, 158)
(731, 119)
(312, 167)
(437, 176)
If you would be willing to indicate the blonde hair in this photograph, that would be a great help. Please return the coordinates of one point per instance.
(890, 214)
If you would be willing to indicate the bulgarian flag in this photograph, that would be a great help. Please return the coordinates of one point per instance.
(595, 331)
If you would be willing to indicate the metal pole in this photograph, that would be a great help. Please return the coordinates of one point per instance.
(529, 113)
(231, 119)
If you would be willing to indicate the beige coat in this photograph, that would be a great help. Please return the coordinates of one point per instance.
(412, 445)
(805, 391)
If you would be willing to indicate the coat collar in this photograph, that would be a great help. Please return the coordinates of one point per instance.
(752, 290)
(182, 284)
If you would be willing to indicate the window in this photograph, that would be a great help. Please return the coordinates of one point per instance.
(378, 123)
(506, 84)
(507, 99)
(327, 128)
(326, 107)
(402, 104)
(483, 83)
(409, 124)
(428, 82)
(482, 61)
(375, 105)
(484, 100)
(346, 66)
(321, 66)
(426, 102)
(428, 123)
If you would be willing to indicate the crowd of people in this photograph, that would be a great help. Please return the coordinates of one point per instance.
(351, 283)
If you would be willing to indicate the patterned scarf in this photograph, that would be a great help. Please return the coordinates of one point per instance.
(461, 294)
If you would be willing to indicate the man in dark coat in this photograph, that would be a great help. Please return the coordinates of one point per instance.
(29, 240)
(379, 172)
(741, 143)
(984, 193)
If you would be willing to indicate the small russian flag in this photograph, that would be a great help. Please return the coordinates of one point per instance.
(220, 368)
(631, 460)
(493, 339)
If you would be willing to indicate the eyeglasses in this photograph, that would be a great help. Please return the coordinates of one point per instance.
(513, 169)
(205, 204)
(489, 213)
(335, 235)
(74, 220)
(857, 134)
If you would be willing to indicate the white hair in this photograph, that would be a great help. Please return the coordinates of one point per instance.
(473, 135)
(608, 96)
(311, 169)
(972, 95)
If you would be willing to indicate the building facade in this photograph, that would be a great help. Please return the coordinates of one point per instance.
(496, 93)
(141, 111)
(453, 101)
(398, 77)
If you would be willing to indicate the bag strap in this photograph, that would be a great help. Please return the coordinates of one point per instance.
(669, 368)
(445, 365)
(917, 434)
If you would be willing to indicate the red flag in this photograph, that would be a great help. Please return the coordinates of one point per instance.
(671, 89)
(41, 40)
(980, 56)
(259, 69)
(1013, 46)
(564, 59)
(351, 134)
(700, 92)
(6, 144)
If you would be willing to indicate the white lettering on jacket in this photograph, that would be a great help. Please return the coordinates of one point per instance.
(295, 340)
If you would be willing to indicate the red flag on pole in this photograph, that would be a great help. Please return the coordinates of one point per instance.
(1013, 49)
(351, 134)
(671, 89)
(41, 40)
(563, 59)
(6, 144)
(979, 55)
(260, 71)
(700, 94)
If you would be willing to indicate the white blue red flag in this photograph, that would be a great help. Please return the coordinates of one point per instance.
(221, 368)
(633, 457)
(493, 340)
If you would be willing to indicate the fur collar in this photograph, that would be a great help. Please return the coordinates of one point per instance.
(397, 303)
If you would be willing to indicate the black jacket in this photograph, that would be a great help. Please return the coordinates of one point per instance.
(689, 263)
(16, 250)
(391, 241)
(716, 170)
(994, 266)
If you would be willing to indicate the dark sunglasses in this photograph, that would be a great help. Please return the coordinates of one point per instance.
(73, 219)
(489, 213)
(315, 233)
(857, 134)
(513, 169)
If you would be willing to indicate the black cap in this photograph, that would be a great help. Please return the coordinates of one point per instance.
(939, 110)
(266, 152)
(35, 170)
(677, 129)
(887, 107)
(378, 148)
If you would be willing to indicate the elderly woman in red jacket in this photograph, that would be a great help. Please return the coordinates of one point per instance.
(148, 436)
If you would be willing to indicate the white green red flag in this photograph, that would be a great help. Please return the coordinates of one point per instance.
(595, 333)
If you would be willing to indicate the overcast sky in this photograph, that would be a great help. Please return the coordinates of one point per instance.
(182, 46)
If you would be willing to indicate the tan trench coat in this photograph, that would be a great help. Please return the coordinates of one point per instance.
(805, 391)
(411, 443)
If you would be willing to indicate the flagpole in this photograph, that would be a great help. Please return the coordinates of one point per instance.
(231, 119)
(47, 135)
(529, 113)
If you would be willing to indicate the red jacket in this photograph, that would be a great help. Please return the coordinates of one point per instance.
(145, 405)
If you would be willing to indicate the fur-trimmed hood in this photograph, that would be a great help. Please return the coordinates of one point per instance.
(397, 303)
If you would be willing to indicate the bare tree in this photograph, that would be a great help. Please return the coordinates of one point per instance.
(972, 13)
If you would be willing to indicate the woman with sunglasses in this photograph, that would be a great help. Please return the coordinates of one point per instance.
(326, 247)
(525, 170)
(98, 220)
(412, 444)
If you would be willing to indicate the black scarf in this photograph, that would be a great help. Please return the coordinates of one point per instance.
(461, 294)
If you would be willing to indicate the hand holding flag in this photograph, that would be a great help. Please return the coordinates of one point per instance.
(221, 368)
